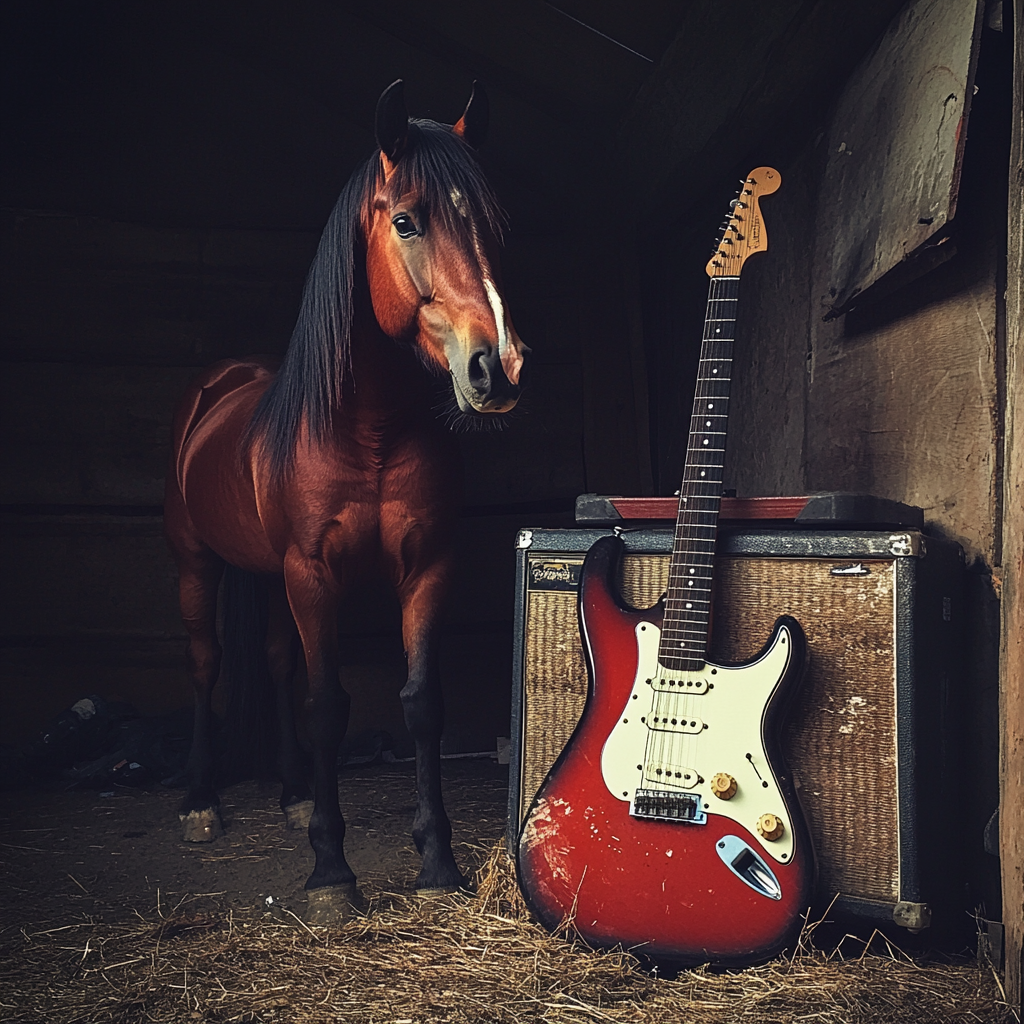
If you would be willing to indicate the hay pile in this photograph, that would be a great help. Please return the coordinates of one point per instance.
(453, 959)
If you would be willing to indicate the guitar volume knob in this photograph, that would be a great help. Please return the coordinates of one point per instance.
(723, 786)
(770, 827)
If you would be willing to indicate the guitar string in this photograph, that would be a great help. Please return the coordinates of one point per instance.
(688, 741)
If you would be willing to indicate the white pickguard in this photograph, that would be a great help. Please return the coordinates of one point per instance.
(692, 725)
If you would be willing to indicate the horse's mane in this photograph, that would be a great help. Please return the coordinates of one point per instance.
(437, 165)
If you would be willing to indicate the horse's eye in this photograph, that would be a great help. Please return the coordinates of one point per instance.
(405, 226)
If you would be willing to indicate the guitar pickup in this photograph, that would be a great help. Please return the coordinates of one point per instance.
(657, 805)
(676, 776)
(679, 684)
(670, 712)
(669, 721)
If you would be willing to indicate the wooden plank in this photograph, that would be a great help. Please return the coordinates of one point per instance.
(87, 576)
(92, 290)
(87, 435)
(896, 143)
(1011, 661)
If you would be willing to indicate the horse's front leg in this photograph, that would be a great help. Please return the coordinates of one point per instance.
(313, 597)
(422, 597)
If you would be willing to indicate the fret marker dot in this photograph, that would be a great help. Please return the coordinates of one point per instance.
(705, 440)
(692, 571)
(702, 473)
(707, 423)
(711, 405)
(714, 371)
(688, 605)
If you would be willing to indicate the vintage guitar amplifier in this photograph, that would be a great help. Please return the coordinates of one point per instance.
(871, 740)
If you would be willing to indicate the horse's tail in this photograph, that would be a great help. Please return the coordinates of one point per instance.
(250, 727)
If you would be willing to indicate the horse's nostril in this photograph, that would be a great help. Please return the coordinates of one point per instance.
(480, 371)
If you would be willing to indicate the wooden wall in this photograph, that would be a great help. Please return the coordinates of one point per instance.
(901, 398)
(904, 397)
(107, 321)
(168, 176)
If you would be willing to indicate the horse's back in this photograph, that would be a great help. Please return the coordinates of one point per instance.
(214, 384)
(209, 496)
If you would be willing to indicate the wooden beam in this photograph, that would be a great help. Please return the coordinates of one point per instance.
(1011, 660)
(646, 26)
(735, 78)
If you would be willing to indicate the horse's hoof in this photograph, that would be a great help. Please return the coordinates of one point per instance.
(445, 879)
(201, 826)
(334, 905)
(296, 816)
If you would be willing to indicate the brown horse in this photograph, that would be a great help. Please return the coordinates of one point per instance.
(336, 465)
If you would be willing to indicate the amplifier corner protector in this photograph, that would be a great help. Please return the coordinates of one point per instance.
(524, 540)
(907, 545)
(915, 917)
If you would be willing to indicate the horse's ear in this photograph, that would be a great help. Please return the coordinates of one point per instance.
(472, 126)
(392, 124)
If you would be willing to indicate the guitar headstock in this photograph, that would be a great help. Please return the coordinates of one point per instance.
(743, 233)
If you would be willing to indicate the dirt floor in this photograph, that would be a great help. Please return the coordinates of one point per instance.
(70, 855)
(106, 917)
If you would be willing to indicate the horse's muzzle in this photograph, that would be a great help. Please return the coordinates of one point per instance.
(480, 382)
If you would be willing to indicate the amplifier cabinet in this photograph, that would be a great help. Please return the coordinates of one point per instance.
(871, 740)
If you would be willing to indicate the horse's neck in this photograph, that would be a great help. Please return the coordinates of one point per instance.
(387, 384)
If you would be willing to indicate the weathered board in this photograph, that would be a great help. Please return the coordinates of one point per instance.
(896, 142)
(1011, 663)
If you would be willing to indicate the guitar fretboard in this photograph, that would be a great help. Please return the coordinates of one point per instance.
(684, 635)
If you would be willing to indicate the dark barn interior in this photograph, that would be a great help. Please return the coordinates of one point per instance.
(168, 169)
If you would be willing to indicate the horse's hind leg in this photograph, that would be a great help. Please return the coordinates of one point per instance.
(422, 703)
(282, 654)
(200, 572)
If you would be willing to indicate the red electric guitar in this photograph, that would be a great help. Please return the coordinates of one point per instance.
(669, 824)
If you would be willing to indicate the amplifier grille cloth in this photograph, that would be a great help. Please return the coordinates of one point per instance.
(840, 742)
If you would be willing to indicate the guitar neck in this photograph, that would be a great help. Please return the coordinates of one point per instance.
(684, 635)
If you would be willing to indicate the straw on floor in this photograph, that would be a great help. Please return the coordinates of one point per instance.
(450, 959)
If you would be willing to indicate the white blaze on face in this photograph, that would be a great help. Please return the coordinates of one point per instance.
(511, 358)
(498, 308)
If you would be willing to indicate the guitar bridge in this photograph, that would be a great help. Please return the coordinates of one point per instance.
(659, 805)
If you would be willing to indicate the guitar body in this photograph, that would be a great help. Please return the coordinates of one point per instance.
(627, 838)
